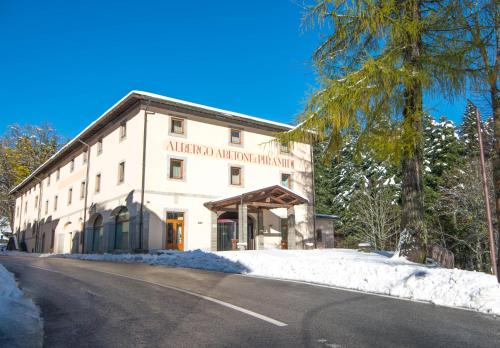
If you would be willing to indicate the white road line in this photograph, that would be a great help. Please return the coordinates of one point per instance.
(207, 298)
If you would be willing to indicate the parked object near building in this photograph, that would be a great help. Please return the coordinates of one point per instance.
(325, 230)
(441, 255)
(159, 173)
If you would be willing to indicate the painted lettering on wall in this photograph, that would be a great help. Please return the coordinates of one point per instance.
(229, 154)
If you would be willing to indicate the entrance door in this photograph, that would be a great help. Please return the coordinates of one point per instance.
(175, 231)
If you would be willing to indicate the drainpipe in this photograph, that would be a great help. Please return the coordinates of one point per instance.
(143, 179)
(313, 194)
(20, 221)
(86, 195)
(37, 239)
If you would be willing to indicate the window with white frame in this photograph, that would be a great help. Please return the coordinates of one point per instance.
(286, 180)
(176, 169)
(99, 146)
(177, 126)
(236, 176)
(235, 136)
(82, 189)
(284, 147)
(72, 165)
(98, 183)
(123, 130)
(121, 172)
(70, 196)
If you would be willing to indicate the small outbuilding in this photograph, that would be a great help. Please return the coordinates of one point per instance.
(325, 230)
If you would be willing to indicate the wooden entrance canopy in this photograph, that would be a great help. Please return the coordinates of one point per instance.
(271, 197)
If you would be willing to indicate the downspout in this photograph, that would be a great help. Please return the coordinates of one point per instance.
(311, 147)
(143, 179)
(20, 221)
(37, 238)
(86, 195)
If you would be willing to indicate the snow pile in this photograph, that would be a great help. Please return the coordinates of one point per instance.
(379, 273)
(189, 259)
(20, 323)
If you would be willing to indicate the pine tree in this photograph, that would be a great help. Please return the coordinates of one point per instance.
(374, 69)
(443, 155)
(468, 132)
(354, 181)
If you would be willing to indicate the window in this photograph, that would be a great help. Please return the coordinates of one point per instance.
(286, 180)
(55, 203)
(70, 196)
(121, 172)
(176, 168)
(72, 165)
(82, 189)
(123, 130)
(17, 211)
(284, 148)
(99, 146)
(98, 183)
(235, 136)
(84, 157)
(48, 180)
(36, 202)
(177, 126)
(46, 207)
(235, 173)
(122, 229)
(58, 173)
(98, 234)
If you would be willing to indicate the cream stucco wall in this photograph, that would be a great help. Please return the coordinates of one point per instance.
(206, 178)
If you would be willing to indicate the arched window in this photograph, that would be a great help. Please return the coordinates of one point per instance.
(122, 229)
(97, 234)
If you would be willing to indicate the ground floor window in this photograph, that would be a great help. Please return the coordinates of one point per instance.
(122, 229)
(97, 234)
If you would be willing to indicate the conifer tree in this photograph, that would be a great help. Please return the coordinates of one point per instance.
(374, 68)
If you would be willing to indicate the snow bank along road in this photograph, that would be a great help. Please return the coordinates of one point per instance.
(103, 304)
(20, 323)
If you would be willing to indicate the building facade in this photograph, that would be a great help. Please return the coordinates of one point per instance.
(159, 173)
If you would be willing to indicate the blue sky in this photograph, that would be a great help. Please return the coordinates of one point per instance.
(65, 62)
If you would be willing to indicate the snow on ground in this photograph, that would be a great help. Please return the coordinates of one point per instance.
(377, 272)
(20, 323)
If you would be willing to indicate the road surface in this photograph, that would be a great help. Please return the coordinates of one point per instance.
(100, 304)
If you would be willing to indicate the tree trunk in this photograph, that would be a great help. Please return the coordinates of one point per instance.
(412, 240)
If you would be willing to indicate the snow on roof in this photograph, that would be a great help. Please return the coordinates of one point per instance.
(327, 216)
(223, 198)
(143, 95)
(222, 111)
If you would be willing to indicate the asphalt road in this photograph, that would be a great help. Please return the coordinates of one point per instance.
(99, 304)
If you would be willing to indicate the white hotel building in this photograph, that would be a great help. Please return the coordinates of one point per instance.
(159, 173)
